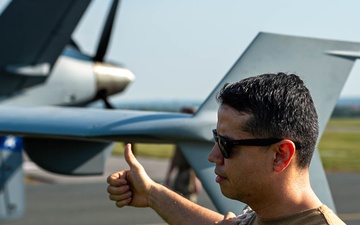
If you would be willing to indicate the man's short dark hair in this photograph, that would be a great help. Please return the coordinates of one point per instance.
(281, 106)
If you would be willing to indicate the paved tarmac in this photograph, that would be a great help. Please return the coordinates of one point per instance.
(55, 200)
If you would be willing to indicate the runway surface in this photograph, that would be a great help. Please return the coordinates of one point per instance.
(55, 200)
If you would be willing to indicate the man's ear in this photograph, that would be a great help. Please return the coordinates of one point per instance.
(284, 153)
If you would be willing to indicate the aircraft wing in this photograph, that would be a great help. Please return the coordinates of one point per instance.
(314, 60)
(33, 35)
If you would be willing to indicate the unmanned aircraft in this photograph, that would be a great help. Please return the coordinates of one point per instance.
(71, 140)
(40, 64)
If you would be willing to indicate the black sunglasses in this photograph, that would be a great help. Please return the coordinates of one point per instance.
(226, 145)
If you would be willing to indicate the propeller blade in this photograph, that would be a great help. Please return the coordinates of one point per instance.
(105, 37)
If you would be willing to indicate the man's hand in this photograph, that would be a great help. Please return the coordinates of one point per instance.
(134, 187)
(130, 187)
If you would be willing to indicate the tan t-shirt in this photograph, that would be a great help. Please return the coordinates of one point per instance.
(319, 216)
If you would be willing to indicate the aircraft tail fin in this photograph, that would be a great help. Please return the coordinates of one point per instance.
(324, 65)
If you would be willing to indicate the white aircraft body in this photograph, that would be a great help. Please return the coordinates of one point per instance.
(74, 80)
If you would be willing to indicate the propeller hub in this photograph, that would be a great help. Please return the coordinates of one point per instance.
(113, 79)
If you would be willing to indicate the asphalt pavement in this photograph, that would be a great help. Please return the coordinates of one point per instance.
(55, 199)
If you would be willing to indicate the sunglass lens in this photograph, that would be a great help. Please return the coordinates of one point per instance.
(223, 149)
(221, 143)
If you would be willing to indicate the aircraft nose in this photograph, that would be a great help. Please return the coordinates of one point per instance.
(113, 79)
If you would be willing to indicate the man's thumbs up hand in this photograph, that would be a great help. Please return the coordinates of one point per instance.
(130, 187)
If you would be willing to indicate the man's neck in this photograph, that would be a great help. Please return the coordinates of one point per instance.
(287, 200)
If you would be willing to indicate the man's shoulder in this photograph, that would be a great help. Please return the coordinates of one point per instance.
(322, 215)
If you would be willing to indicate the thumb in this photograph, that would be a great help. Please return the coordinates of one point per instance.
(130, 158)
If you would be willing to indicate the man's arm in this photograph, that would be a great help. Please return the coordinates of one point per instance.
(135, 188)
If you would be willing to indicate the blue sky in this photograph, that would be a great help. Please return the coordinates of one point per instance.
(181, 49)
